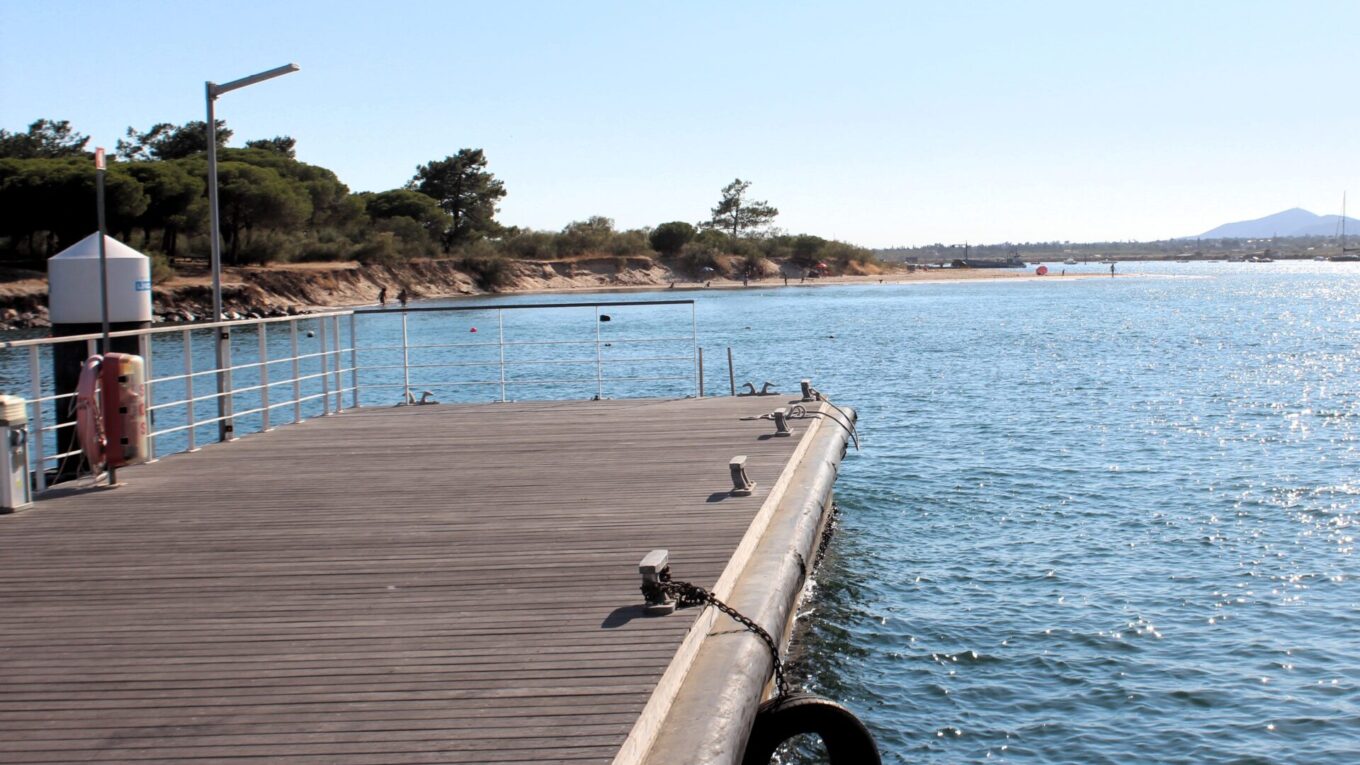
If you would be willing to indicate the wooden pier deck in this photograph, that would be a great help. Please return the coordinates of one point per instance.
(404, 585)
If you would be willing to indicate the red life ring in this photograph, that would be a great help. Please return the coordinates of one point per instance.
(89, 413)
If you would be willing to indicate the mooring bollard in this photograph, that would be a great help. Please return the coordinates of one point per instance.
(741, 485)
(781, 422)
(808, 391)
(653, 566)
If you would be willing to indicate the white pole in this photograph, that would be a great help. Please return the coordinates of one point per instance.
(103, 255)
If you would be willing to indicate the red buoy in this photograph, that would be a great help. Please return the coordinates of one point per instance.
(1041, 270)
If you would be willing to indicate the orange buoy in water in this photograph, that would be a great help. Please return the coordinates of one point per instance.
(474, 329)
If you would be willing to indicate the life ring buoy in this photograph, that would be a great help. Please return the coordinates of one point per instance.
(845, 737)
(89, 414)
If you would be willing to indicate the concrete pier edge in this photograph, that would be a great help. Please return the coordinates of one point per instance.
(707, 719)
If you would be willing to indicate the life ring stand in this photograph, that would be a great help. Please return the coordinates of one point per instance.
(846, 739)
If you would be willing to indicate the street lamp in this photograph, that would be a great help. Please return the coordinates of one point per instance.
(213, 90)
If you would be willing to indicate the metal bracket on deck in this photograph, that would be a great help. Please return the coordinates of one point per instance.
(741, 485)
(766, 389)
(810, 393)
(781, 422)
(653, 568)
(424, 398)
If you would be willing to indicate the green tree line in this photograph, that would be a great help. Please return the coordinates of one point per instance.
(275, 208)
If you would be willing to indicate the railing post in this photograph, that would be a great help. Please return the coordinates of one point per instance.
(297, 372)
(225, 406)
(144, 348)
(405, 361)
(500, 318)
(354, 359)
(38, 438)
(731, 375)
(599, 359)
(698, 352)
(189, 386)
(701, 373)
(325, 368)
(335, 360)
(262, 334)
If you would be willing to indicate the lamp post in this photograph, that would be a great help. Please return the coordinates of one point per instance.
(213, 90)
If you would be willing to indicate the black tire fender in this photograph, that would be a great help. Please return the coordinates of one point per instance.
(846, 739)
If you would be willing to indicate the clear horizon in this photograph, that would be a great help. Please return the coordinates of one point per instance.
(872, 122)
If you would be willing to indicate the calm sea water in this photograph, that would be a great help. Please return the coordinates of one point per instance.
(1094, 521)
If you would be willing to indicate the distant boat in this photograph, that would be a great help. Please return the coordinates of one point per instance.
(1345, 256)
(975, 263)
(1070, 262)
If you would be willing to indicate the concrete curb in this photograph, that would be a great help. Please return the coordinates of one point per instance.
(711, 716)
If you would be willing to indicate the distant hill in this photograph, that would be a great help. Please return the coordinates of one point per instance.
(1295, 222)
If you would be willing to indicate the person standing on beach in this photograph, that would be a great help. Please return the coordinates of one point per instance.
(1111, 270)
(382, 297)
(403, 297)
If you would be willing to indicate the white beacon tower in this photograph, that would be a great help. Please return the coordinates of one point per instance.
(73, 305)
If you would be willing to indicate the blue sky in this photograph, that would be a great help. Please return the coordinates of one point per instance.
(880, 123)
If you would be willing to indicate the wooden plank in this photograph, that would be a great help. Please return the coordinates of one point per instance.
(416, 584)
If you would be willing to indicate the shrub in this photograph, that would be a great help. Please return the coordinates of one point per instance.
(380, 247)
(669, 238)
(320, 251)
(695, 257)
(807, 250)
(714, 239)
(489, 268)
(530, 245)
(628, 243)
(267, 247)
(586, 236)
(753, 264)
(161, 270)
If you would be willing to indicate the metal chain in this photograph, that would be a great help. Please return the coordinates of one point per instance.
(689, 594)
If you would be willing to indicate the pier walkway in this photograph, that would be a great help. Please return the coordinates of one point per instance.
(398, 585)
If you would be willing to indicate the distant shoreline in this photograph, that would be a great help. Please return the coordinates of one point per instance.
(289, 289)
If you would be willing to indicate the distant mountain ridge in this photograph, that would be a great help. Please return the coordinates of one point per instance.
(1292, 222)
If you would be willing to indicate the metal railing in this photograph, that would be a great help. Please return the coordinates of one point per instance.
(587, 362)
(288, 369)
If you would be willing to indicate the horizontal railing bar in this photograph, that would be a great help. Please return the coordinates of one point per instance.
(163, 328)
(520, 307)
(62, 456)
(546, 381)
(415, 384)
(622, 341)
(365, 367)
(53, 397)
(647, 358)
(515, 343)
